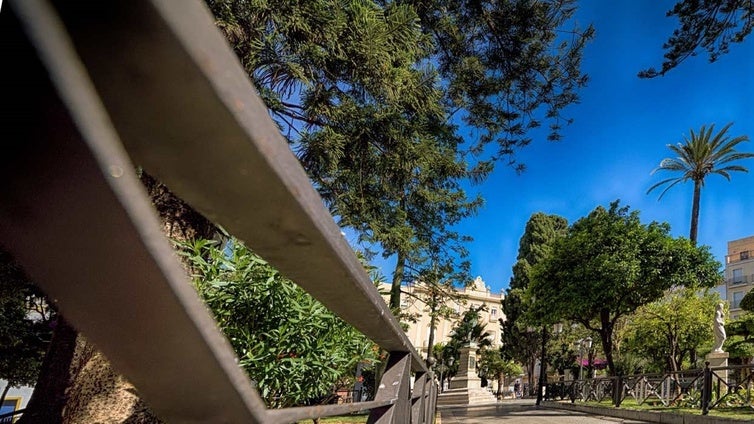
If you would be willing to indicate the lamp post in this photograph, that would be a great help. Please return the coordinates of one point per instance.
(588, 346)
(542, 367)
(431, 361)
(583, 343)
(442, 368)
(579, 342)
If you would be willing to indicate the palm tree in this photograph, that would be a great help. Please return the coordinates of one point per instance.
(698, 156)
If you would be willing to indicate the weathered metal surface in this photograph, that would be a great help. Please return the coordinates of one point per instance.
(419, 398)
(289, 415)
(196, 123)
(78, 220)
(156, 77)
(394, 385)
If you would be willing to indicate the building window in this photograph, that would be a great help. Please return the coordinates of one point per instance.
(493, 312)
(737, 296)
(10, 404)
(744, 255)
(738, 276)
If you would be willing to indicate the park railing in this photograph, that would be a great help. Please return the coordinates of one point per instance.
(92, 88)
(708, 388)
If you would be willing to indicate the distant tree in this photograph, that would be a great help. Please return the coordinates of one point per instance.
(710, 25)
(25, 326)
(673, 329)
(699, 156)
(562, 349)
(368, 91)
(469, 329)
(436, 292)
(747, 302)
(290, 344)
(446, 361)
(740, 341)
(608, 265)
(492, 364)
(520, 342)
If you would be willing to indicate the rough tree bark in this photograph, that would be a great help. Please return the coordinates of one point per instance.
(77, 384)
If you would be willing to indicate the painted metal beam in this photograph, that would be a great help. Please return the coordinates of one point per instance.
(76, 217)
(187, 112)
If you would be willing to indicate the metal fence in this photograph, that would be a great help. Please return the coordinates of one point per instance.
(705, 389)
(92, 88)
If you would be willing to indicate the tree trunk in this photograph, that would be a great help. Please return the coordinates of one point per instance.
(606, 336)
(77, 383)
(542, 366)
(5, 394)
(395, 288)
(432, 324)
(695, 211)
(530, 373)
(99, 394)
(49, 396)
(395, 305)
(500, 384)
(673, 362)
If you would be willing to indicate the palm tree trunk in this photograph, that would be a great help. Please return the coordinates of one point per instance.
(695, 211)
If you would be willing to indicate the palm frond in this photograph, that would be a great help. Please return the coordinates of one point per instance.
(674, 180)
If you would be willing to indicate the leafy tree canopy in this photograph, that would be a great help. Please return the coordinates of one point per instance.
(469, 329)
(608, 265)
(492, 365)
(747, 303)
(292, 346)
(709, 25)
(25, 325)
(674, 329)
(368, 92)
(535, 245)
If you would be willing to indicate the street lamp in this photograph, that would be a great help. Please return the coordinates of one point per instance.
(442, 368)
(588, 346)
(583, 343)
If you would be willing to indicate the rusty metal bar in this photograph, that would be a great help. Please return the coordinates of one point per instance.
(394, 385)
(418, 399)
(432, 404)
(289, 415)
(216, 147)
(75, 215)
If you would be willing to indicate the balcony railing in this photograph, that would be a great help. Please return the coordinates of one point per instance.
(738, 257)
(96, 87)
(741, 279)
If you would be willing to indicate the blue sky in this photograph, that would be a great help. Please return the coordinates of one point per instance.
(621, 129)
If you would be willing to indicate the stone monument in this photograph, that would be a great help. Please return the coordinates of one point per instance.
(466, 387)
(466, 376)
(718, 357)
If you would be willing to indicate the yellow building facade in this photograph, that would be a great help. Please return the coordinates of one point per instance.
(474, 296)
(739, 272)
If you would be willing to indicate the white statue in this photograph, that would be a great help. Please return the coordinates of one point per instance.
(718, 329)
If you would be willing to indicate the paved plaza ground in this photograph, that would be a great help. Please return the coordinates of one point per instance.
(519, 411)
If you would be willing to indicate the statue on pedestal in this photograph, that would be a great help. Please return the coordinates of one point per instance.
(718, 328)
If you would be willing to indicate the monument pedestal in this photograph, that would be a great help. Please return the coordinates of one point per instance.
(719, 359)
(466, 386)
